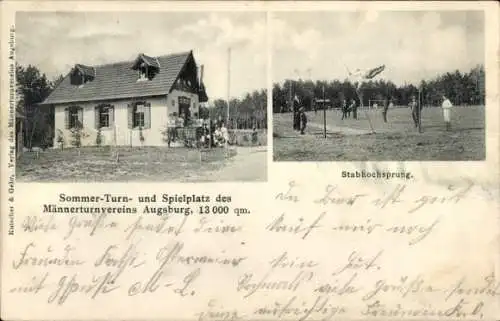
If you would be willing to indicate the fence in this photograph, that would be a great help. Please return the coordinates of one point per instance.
(191, 137)
(257, 121)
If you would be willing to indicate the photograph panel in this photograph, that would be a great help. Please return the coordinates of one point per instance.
(131, 96)
(378, 85)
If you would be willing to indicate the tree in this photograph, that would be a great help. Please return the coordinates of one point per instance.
(461, 88)
(33, 87)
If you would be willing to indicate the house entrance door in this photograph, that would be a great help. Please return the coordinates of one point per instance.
(184, 112)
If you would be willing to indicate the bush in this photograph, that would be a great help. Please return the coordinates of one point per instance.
(77, 134)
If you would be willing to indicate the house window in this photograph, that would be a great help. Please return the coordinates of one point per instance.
(143, 73)
(146, 72)
(74, 117)
(104, 116)
(139, 115)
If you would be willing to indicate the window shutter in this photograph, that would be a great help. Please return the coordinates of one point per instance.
(66, 118)
(111, 116)
(96, 117)
(147, 115)
(130, 112)
(80, 116)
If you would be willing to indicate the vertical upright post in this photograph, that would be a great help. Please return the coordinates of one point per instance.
(324, 112)
(420, 110)
(228, 82)
(290, 95)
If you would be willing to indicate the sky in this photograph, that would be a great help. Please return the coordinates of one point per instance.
(414, 45)
(56, 41)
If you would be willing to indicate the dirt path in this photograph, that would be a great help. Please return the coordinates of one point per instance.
(250, 164)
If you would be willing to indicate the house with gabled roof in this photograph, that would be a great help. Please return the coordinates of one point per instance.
(128, 99)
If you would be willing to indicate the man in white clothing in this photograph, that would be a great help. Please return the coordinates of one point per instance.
(447, 105)
(224, 134)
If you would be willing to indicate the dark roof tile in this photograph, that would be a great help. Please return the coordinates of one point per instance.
(119, 81)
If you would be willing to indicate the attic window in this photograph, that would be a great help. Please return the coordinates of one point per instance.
(146, 72)
(147, 67)
(82, 74)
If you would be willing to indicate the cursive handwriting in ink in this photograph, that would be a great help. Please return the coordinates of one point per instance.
(403, 287)
(206, 225)
(288, 195)
(97, 222)
(391, 198)
(284, 261)
(36, 223)
(187, 282)
(331, 198)
(218, 313)
(355, 261)
(70, 285)
(248, 284)
(48, 259)
(459, 193)
(36, 284)
(421, 231)
(159, 228)
(110, 258)
(366, 228)
(339, 287)
(490, 287)
(294, 309)
(278, 225)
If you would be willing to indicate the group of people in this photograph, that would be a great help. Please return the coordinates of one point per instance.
(416, 111)
(347, 109)
(415, 107)
(300, 117)
(215, 135)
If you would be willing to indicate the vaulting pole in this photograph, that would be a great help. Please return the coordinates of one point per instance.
(361, 106)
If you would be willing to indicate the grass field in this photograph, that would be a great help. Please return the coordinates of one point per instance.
(396, 140)
(158, 164)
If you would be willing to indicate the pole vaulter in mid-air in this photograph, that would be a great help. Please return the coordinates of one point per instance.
(358, 77)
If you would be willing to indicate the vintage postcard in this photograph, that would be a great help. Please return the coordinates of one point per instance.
(259, 160)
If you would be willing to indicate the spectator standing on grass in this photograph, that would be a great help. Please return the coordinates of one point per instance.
(303, 120)
(354, 109)
(415, 110)
(344, 108)
(447, 105)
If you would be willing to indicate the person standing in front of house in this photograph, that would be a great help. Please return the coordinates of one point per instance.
(447, 105)
(224, 133)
